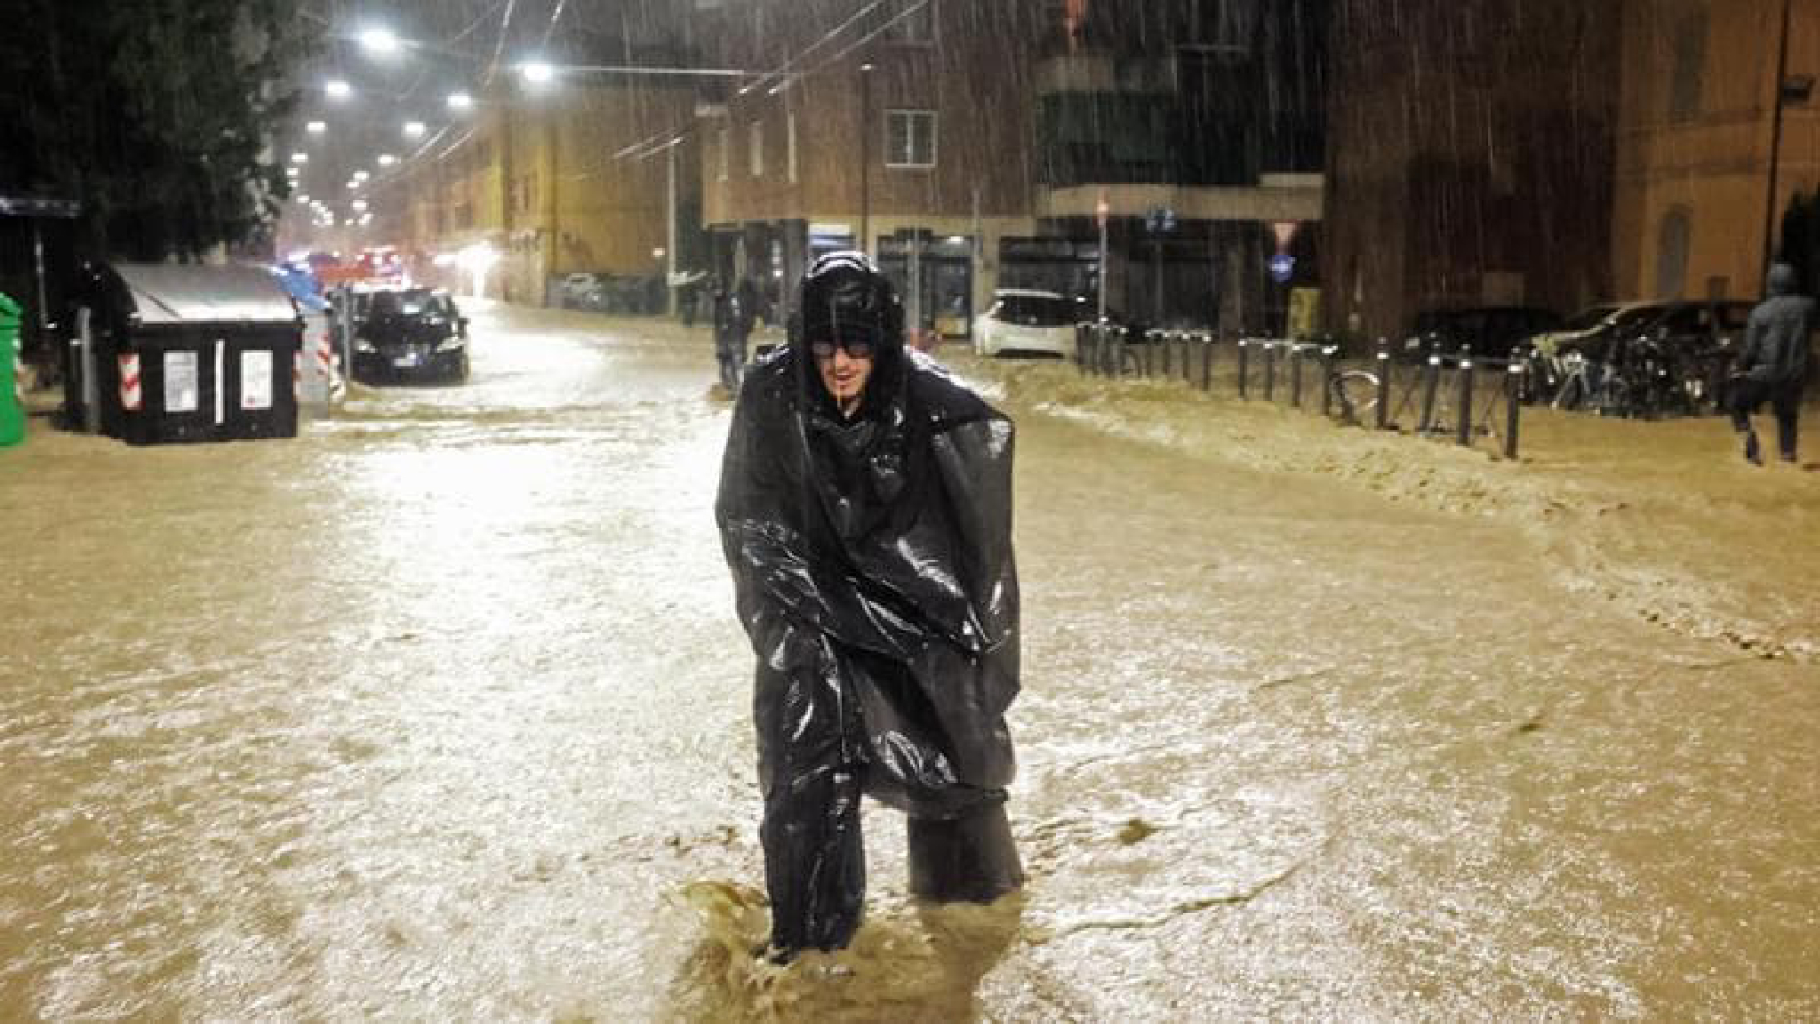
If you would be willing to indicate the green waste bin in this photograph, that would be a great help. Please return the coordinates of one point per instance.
(12, 389)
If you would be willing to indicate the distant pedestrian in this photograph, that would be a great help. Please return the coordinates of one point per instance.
(729, 347)
(1773, 365)
(865, 512)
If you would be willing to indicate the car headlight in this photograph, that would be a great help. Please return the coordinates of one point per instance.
(363, 345)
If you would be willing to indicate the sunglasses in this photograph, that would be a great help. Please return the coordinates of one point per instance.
(858, 348)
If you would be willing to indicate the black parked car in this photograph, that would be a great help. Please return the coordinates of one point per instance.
(411, 335)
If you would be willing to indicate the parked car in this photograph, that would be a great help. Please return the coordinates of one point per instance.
(1026, 321)
(411, 335)
(1486, 330)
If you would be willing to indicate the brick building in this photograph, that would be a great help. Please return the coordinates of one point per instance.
(1471, 157)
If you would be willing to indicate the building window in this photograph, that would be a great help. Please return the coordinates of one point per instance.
(790, 146)
(1672, 247)
(912, 22)
(725, 157)
(1689, 71)
(910, 138)
(755, 152)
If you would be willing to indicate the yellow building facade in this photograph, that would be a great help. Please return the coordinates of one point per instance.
(1698, 146)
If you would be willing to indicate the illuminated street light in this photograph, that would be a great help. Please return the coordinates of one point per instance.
(413, 129)
(387, 159)
(337, 89)
(360, 204)
(316, 127)
(361, 175)
(379, 41)
(537, 72)
(300, 158)
(353, 185)
(460, 101)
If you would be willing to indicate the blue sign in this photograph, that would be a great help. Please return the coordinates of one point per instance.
(1282, 268)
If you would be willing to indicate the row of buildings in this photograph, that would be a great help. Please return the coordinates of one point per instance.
(1215, 160)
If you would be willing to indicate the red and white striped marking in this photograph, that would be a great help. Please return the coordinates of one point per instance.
(131, 396)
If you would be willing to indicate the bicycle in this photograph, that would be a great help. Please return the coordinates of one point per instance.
(1354, 394)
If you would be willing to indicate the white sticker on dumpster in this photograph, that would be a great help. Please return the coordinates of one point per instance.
(256, 379)
(180, 391)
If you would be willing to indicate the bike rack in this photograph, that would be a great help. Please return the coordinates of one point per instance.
(1446, 392)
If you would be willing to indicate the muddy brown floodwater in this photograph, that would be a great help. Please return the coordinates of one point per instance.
(440, 712)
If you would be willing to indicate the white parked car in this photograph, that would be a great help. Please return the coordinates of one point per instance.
(1024, 321)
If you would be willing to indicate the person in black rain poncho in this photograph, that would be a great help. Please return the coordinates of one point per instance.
(865, 511)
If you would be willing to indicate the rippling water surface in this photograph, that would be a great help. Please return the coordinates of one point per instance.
(440, 711)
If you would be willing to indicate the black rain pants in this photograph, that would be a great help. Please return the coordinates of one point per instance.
(813, 770)
(1784, 399)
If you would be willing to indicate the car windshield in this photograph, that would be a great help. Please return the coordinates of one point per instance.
(410, 302)
(1036, 310)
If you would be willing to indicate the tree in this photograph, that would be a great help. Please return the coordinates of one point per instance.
(156, 115)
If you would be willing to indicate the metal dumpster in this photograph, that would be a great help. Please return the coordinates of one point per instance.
(178, 353)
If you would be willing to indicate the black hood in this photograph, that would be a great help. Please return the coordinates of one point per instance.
(845, 297)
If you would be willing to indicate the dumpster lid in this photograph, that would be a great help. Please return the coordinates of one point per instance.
(177, 293)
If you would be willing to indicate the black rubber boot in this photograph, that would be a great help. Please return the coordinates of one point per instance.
(970, 859)
(1753, 453)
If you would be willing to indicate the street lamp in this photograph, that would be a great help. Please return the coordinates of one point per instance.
(387, 160)
(379, 41)
(413, 129)
(337, 89)
(460, 101)
(316, 127)
(300, 158)
(537, 72)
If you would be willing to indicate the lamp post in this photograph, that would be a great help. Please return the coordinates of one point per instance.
(1775, 147)
(865, 158)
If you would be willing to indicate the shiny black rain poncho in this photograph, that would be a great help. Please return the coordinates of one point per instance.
(873, 571)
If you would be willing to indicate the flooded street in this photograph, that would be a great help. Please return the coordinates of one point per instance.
(441, 711)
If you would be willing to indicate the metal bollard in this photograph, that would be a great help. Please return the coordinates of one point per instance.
(1206, 341)
(1463, 423)
(1513, 391)
(1381, 414)
(1121, 343)
(1152, 338)
(1244, 347)
(1160, 339)
(1270, 371)
(1295, 375)
(1431, 381)
(1327, 354)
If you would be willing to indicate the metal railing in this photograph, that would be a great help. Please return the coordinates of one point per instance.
(1455, 396)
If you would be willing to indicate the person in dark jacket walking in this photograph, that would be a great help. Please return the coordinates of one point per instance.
(729, 348)
(1773, 364)
(865, 513)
